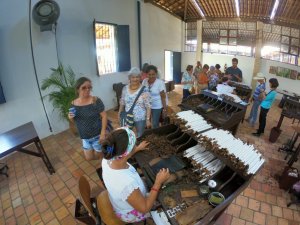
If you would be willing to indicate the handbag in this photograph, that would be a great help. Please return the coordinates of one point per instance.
(127, 118)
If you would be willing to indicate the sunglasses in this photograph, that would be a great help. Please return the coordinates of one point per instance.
(86, 87)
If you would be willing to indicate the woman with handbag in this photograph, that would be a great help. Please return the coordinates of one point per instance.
(265, 106)
(157, 89)
(257, 98)
(188, 82)
(89, 115)
(135, 104)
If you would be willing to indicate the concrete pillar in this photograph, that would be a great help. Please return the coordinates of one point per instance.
(258, 47)
(199, 52)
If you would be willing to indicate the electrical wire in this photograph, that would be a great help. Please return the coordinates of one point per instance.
(34, 67)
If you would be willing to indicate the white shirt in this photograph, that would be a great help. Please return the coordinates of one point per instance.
(154, 90)
(224, 89)
(120, 184)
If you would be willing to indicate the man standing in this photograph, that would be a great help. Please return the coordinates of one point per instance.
(234, 73)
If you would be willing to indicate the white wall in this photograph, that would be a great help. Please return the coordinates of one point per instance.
(160, 31)
(284, 83)
(188, 58)
(75, 48)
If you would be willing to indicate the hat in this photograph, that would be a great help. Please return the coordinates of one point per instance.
(134, 71)
(212, 68)
(259, 76)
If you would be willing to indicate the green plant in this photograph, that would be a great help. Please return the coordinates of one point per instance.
(62, 82)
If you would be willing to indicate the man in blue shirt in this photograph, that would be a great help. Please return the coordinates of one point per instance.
(234, 73)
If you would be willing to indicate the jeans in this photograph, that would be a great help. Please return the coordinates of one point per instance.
(140, 127)
(91, 143)
(185, 93)
(155, 115)
(254, 110)
(262, 120)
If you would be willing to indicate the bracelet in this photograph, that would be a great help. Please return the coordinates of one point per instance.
(154, 189)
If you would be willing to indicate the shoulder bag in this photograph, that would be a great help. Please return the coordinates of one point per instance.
(127, 118)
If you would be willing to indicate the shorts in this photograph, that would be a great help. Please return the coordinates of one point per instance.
(91, 143)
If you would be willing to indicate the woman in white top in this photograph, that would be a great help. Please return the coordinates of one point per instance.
(157, 90)
(126, 189)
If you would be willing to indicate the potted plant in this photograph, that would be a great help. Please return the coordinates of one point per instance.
(62, 82)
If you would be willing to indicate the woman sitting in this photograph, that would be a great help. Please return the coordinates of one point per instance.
(126, 189)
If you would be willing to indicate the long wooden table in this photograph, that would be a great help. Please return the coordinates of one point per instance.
(18, 138)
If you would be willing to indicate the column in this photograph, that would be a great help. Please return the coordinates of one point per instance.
(199, 52)
(258, 47)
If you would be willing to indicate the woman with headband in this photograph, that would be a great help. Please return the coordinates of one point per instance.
(127, 191)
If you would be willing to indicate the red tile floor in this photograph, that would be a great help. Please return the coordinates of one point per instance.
(32, 196)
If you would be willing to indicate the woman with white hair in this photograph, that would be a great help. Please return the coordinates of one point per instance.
(142, 106)
(157, 90)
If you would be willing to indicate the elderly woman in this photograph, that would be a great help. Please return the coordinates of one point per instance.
(142, 107)
(90, 118)
(187, 81)
(127, 192)
(157, 90)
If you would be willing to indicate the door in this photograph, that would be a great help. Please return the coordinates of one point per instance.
(173, 66)
(177, 67)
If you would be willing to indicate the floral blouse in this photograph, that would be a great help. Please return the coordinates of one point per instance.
(140, 108)
(186, 77)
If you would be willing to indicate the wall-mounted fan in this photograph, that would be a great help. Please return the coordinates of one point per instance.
(45, 13)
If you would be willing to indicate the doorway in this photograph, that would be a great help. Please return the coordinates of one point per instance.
(173, 66)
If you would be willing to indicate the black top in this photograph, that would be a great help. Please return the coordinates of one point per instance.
(88, 119)
(234, 71)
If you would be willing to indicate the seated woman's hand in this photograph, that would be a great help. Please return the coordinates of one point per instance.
(142, 146)
(162, 176)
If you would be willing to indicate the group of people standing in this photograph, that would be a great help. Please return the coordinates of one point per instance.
(208, 77)
(212, 78)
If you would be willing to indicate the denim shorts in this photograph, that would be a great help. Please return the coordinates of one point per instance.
(91, 143)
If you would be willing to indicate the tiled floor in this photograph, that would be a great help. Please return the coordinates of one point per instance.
(32, 196)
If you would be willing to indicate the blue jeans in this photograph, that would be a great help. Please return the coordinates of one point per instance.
(185, 93)
(140, 127)
(91, 143)
(254, 111)
(155, 115)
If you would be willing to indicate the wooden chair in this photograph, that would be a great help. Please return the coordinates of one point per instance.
(84, 190)
(106, 211)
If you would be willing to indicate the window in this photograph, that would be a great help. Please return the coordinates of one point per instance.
(106, 48)
(112, 47)
(191, 36)
(281, 44)
(233, 38)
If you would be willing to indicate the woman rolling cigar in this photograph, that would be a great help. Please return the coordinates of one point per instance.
(126, 189)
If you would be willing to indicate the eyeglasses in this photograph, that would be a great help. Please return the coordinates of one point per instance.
(86, 87)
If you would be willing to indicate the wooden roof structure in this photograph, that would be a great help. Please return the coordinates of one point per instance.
(287, 14)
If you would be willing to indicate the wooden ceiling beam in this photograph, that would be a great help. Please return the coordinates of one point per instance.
(185, 9)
